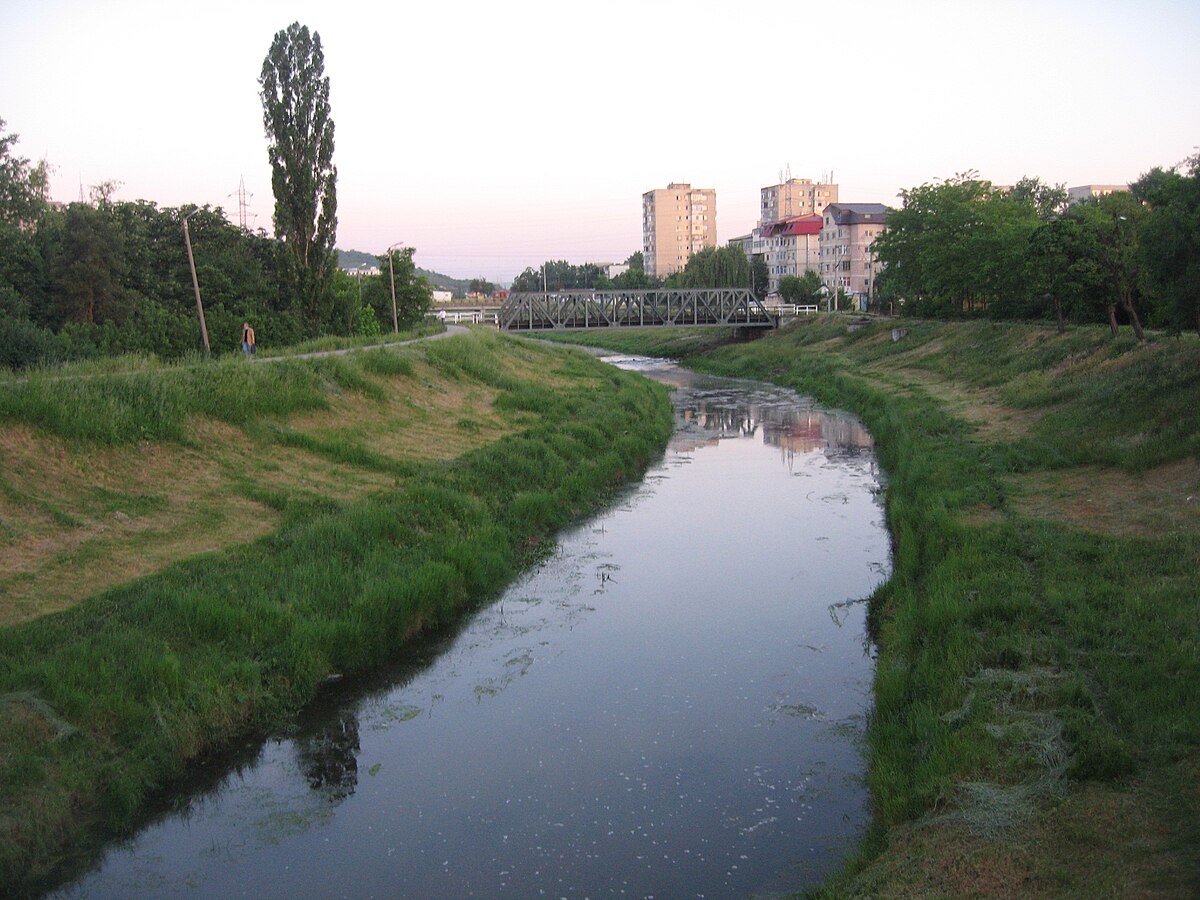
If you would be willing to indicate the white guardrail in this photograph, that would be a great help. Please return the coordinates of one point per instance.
(472, 316)
(793, 309)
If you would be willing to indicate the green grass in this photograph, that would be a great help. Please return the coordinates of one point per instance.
(126, 399)
(356, 342)
(155, 674)
(154, 402)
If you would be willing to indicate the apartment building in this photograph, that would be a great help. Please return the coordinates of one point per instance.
(789, 220)
(677, 221)
(847, 262)
(794, 197)
(1094, 191)
(790, 247)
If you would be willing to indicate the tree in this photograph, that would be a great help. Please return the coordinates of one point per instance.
(295, 97)
(481, 286)
(714, 267)
(414, 297)
(22, 186)
(1049, 200)
(636, 260)
(22, 205)
(1170, 241)
(88, 267)
(560, 275)
(805, 289)
(760, 277)
(959, 246)
(345, 290)
(1064, 263)
(1112, 222)
(634, 279)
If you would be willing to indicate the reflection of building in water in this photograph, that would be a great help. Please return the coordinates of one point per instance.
(789, 424)
(815, 430)
(726, 421)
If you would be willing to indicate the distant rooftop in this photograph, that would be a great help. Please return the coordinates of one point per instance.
(795, 225)
(856, 213)
(1084, 191)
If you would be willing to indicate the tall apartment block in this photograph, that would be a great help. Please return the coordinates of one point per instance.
(789, 220)
(794, 197)
(677, 221)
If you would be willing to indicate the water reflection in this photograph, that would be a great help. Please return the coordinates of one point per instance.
(669, 705)
(328, 757)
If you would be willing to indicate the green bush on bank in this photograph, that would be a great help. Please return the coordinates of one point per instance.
(159, 672)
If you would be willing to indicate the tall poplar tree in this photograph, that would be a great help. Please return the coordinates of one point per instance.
(295, 96)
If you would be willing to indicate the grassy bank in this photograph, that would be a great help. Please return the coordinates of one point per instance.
(398, 488)
(357, 342)
(1037, 725)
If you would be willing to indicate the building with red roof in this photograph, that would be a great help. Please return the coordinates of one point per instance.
(790, 247)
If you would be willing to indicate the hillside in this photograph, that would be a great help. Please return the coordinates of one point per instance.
(352, 259)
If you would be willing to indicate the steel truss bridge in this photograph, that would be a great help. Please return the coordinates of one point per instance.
(730, 307)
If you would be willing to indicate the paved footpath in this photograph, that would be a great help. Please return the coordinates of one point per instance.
(450, 331)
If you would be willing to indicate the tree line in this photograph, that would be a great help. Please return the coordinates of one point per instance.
(103, 277)
(711, 267)
(962, 247)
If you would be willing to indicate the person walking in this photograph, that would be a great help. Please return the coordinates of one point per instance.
(247, 339)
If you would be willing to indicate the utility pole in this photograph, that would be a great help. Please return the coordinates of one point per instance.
(392, 273)
(187, 239)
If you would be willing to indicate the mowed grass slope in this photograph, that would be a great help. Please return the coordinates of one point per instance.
(339, 506)
(1037, 697)
(132, 469)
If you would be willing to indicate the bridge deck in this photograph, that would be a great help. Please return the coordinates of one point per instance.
(736, 307)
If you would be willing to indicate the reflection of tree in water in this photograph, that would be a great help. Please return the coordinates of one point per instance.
(328, 757)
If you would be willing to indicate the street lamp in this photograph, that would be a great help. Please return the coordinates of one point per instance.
(187, 239)
(392, 273)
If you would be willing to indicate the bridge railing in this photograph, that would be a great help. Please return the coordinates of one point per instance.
(793, 309)
(484, 314)
(617, 309)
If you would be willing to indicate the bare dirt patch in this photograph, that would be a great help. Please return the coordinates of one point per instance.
(982, 408)
(1102, 840)
(83, 518)
(1159, 502)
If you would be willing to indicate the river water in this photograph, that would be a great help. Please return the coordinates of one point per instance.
(671, 705)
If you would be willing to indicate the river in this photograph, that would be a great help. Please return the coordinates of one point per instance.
(671, 705)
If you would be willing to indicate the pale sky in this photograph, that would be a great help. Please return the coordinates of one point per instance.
(494, 135)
